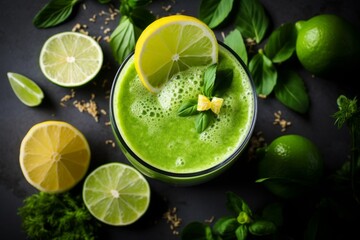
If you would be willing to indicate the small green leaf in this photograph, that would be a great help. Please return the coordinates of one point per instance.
(262, 228)
(226, 226)
(241, 232)
(188, 108)
(209, 80)
(281, 44)
(196, 230)
(54, 13)
(123, 39)
(214, 12)
(264, 74)
(25, 89)
(104, 1)
(223, 80)
(141, 17)
(290, 90)
(236, 42)
(202, 121)
(251, 20)
(236, 204)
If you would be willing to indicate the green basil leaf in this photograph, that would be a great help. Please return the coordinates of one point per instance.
(264, 74)
(241, 232)
(138, 3)
(54, 13)
(281, 43)
(262, 228)
(188, 108)
(226, 226)
(203, 121)
(209, 80)
(236, 42)
(290, 91)
(142, 17)
(223, 80)
(214, 12)
(123, 39)
(196, 230)
(252, 20)
(236, 204)
(104, 1)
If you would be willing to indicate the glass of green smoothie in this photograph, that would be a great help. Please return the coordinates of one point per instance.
(165, 146)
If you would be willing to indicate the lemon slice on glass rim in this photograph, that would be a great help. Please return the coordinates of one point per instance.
(172, 44)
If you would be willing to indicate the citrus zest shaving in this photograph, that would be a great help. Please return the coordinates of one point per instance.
(205, 104)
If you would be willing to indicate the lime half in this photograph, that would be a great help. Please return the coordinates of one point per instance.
(116, 194)
(71, 59)
(25, 89)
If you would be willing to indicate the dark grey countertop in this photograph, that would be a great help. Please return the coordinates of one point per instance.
(20, 47)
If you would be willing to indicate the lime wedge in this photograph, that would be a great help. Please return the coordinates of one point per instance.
(116, 194)
(25, 89)
(71, 59)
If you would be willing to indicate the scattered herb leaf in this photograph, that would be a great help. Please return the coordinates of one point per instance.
(290, 90)
(281, 44)
(54, 13)
(236, 42)
(264, 73)
(209, 80)
(188, 108)
(252, 20)
(202, 121)
(214, 12)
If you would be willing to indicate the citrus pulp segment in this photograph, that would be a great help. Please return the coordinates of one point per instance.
(116, 194)
(54, 156)
(71, 59)
(25, 89)
(172, 44)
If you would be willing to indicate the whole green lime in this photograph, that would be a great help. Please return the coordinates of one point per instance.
(290, 165)
(327, 44)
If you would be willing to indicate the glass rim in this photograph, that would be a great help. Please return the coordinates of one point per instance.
(218, 166)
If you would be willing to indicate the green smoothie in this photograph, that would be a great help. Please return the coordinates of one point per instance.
(162, 144)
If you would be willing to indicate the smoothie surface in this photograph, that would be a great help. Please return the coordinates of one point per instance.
(151, 127)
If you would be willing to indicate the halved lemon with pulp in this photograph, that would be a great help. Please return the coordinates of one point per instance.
(54, 156)
(172, 44)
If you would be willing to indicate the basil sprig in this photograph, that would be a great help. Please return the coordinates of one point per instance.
(212, 84)
(241, 223)
(54, 13)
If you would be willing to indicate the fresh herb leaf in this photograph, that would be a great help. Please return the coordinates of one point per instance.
(202, 121)
(188, 108)
(262, 228)
(138, 3)
(264, 73)
(236, 42)
(225, 227)
(54, 13)
(196, 230)
(223, 80)
(123, 39)
(236, 204)
(209, 80)
(214, 12)
(241, 232)
(104, 1)
(252, 20)
(141, 17)
(290, 90)
(57, 216)
(281, 44)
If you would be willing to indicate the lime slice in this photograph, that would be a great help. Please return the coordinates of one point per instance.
(54, 156)
(116, 194)
(172, 44)
(71, 59)
(25, 89)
